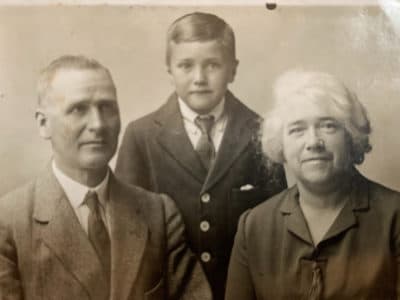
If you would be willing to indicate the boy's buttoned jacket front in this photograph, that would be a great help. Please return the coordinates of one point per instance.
(156, 153)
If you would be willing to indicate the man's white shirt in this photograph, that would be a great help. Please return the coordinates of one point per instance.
(76, 193)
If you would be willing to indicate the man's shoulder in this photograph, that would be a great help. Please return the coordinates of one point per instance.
(147, 202)
(18, 202)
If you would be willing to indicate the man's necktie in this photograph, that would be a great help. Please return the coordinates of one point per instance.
(97, 232)
(205, 147)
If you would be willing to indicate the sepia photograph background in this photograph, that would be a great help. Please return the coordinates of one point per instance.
(359, 44)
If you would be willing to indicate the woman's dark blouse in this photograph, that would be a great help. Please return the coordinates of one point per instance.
(274, 256)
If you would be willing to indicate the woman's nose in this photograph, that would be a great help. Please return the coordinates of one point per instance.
(314, 140)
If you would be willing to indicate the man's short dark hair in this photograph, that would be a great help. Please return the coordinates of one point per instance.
(65, 62)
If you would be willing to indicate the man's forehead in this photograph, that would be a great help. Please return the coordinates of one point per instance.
(74, 78)
(77, 84)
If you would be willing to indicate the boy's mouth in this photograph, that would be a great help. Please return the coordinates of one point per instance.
(201, 92)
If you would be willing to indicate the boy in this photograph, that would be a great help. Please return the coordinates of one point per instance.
(201, 147)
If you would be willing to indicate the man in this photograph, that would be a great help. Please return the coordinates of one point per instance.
(201, 147)
(76, 232)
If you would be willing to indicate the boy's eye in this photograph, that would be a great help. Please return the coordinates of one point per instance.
(185, 65)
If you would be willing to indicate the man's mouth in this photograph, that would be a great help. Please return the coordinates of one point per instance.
(94, 143)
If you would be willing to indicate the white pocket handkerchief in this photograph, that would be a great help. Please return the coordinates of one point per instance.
(246, 187)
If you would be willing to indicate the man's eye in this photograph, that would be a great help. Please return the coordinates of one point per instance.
(108, 107)
(78, 109)
(213, 66)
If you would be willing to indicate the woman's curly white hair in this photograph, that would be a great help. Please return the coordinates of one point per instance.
(299, 85)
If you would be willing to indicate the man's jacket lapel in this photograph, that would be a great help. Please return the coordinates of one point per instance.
(61, 231)
(129, 233)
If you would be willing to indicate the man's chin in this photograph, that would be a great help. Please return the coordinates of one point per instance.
(96, 162)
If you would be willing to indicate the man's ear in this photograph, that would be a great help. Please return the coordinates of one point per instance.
(43, 123)
(235, 64)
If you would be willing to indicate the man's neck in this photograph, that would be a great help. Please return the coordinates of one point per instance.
(87, 177)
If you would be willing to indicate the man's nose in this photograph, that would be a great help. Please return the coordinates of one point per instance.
(199, 75)
(314, 140)
(96, 120)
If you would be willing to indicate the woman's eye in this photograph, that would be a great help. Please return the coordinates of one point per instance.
(296, 130)
(329, 126)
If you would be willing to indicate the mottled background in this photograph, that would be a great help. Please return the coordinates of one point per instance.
(358, 44)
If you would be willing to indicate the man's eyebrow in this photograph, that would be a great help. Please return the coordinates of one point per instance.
(76, 103)
(213, 58)
(106, 100)
(185, 59)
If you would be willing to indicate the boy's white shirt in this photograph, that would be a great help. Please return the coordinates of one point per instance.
(194, 133)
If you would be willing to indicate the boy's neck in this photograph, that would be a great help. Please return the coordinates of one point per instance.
(217, 111)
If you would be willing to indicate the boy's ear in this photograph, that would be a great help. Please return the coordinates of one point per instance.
(235, 64)
(43, 123)
(170, 76)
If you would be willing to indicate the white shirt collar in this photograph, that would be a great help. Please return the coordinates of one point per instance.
(76, 191)
(191, 115)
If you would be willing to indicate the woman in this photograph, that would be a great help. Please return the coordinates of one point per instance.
(335, 234)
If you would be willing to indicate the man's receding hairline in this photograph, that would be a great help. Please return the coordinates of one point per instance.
(45, 102)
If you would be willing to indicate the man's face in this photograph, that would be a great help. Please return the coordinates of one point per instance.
(81, 118)
(201, 72)
(316, 146)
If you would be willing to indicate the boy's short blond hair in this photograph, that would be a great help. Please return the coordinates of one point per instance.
(199, 26)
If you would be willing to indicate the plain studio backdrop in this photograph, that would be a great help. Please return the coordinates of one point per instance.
(358, 44)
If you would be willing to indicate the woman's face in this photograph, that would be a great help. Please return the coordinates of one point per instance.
(316, 146)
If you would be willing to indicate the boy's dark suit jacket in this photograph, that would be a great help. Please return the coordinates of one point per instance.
(45, 253)
(156, 153)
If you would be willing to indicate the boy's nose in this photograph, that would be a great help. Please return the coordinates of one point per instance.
(199, 76)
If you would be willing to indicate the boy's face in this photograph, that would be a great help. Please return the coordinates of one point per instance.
(201, 72)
